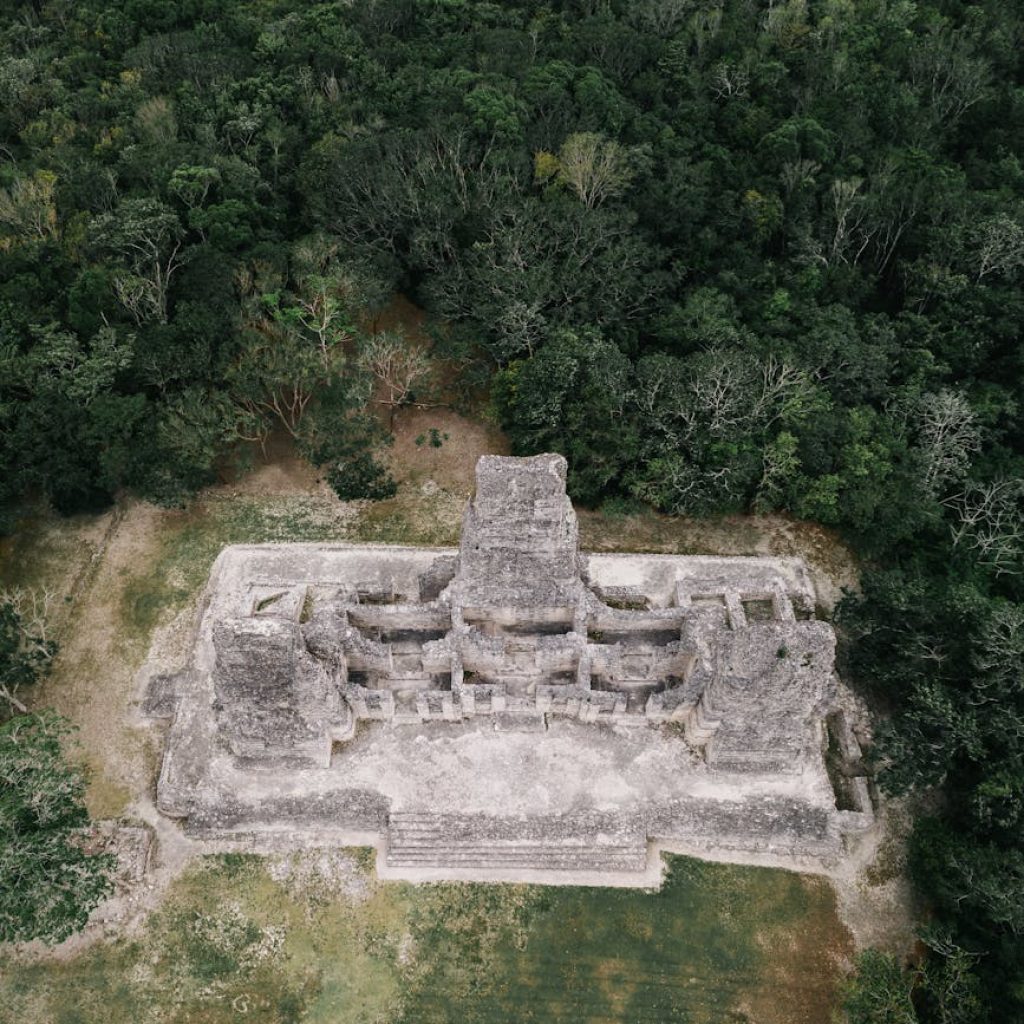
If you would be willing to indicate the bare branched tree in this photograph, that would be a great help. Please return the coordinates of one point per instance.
(593, 167)
(663, 17)
(948, 76)
(849, 211)
(999, 649)
(999, 246)
(26, 644)
(726, 393)
(28, 208)
(947, 436)
(796, 174)
(990, 523)
(147, 238)
(729, 80)
(399, 366)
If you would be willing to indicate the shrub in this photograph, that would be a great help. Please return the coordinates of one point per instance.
(361, 477)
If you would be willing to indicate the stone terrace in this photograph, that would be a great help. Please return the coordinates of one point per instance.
(515, 710)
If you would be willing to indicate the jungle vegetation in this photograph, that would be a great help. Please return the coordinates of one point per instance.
(764, 255)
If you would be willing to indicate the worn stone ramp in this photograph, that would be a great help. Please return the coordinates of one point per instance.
(469, 845)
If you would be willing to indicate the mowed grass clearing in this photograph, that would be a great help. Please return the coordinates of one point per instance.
(718, 943)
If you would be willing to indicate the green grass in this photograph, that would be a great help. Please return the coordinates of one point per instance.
(718, 943)
(40, 551)
(190, 542)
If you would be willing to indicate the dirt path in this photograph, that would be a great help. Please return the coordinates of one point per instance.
(92, 681)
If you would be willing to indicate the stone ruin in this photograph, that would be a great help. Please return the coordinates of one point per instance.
(515, 709)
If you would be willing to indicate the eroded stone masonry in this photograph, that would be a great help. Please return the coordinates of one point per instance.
(515, 709)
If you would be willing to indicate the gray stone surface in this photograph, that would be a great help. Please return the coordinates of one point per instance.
(511, 708)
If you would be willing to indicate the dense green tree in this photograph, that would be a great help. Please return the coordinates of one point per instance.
(880, 993)
(723, 256)
(49, 882)
(573, 398)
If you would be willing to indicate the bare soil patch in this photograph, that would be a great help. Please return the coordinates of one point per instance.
(276, 468)
(448, 457)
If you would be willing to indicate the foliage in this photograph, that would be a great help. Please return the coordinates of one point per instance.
(879, 993)
(568, 398)
(361, 477)
(221, 207)
(49, 883)
(724, 257)
(945, 656)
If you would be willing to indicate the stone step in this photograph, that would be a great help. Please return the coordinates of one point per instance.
(529, 862)
(511, 850)
(594, 858)
(561, 826)
(427, 840)
(422, 842)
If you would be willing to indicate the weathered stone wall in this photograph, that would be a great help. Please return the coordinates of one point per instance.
(275, 703)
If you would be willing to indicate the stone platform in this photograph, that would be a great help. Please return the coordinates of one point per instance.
(511, 710)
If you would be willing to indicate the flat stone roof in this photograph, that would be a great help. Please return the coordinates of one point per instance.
(477, 766)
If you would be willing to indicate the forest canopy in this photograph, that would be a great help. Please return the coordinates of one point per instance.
(724, 256)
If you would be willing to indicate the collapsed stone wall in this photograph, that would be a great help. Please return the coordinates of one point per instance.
(276, 703)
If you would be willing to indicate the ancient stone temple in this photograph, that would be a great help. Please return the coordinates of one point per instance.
(515, 709)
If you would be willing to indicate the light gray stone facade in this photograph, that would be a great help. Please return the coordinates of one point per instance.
(515, 709)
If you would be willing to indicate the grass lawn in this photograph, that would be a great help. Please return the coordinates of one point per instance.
(230, 943)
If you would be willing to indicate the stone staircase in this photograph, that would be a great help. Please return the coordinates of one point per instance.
(452, 841)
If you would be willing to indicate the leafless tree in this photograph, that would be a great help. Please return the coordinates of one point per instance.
(947, 435)
(895, 204)
(28, 207)
(948, 76)
(1000, 246)
(990, 523)
(33, 610)
(662, 17)
(148, 239)
(705, 25)
(397, 365)
(786, 21)
(999, 649)
(726, 392)
(155, 121)
(683, 486)
(798, 174)
(849, 211)
(729, 80)
(593, 167)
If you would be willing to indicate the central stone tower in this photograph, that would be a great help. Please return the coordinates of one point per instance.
(519, 565)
